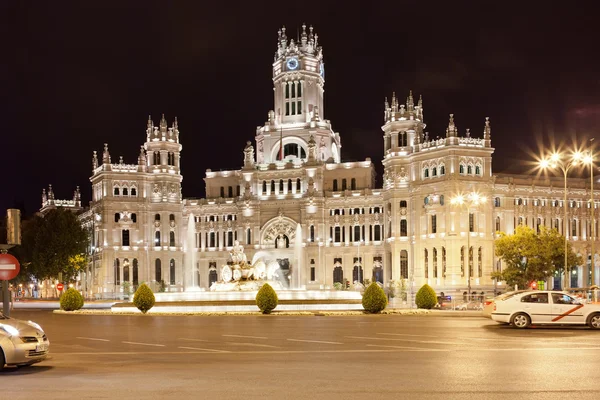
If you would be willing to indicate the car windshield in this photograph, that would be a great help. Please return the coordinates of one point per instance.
(508, 295)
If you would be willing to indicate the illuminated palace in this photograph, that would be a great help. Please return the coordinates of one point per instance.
(294, 191)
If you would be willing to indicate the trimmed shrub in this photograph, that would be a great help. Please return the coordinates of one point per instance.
(71, 300)
(374, 299)
(426, 297)
(266, 299)
(143, 298)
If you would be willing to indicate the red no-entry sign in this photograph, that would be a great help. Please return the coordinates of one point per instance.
(9, 267)
(60, 286)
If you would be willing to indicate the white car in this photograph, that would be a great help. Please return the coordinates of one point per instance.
(21, 342)
(537, 307)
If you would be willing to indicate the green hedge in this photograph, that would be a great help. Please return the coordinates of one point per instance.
(374, 299)
(143, 298)
(266, 299)
(426, 297)
(71, 300)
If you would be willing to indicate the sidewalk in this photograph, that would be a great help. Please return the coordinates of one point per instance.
(35, 304)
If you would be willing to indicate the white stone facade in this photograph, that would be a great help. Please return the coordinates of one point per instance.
(332, 223)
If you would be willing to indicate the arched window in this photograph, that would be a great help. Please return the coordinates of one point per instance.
(248, 236)
(287, 90)
(116, 191)
(264, 187)
(272, 187)
(212, 277)
(377, 232)
(280, 186)
(404, 264)
(134, 218)
(125, 237)
(157, 238)
(172, 217)
(335, 185)
(442, 170)
(134, 192)
(426, 263)
(312, 233)
(344, 184)
(426, 173)
(157, 217)
(289, 186)
(470, 261)
(480, 262)
(497, 224)
(462, 261)
(117, 217)
(157, 270)
(357, 274)
(135, 272)
(125, 192)
(403, 204)
(126, 270)
(434, 171)
(435, 264)
(156, 158)
(117, 272)
(172, 239)
(357, 233)
(172, 272)
(461, 169)
(230, 191)
(222, 191)
(353, 184)
(477, 170)
(443, 262)
(298, 185)
(469, 169)
(497, 202)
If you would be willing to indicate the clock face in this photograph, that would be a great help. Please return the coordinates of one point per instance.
(322, 70)
(292, 64)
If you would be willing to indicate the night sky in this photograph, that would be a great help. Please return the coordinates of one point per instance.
(88, 72)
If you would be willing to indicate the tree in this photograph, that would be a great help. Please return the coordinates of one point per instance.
(60, 246)
(24, 252)
(374, 299)
(426, 297)
(529, 256)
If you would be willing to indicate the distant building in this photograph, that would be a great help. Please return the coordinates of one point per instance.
(296, 201)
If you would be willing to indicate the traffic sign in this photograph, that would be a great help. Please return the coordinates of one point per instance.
(9, 267)
(60, 286)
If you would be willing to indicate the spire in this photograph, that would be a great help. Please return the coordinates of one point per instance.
(410, 103)
(468, 133)
(163, 123)
(304, 37)
(175, 125)
(50, 192)
(94, 161)
(105, 155)
(487, 131)
(44, 197)
(451, 130)
(77, 197)
(316, 116)
(394, 102)
(142, 156)
(150, 124)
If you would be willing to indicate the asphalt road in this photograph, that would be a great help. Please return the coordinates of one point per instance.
(305, 357)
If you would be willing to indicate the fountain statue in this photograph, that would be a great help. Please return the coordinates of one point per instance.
(239, 274)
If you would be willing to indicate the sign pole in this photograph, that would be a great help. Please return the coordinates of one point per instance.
(5, 292)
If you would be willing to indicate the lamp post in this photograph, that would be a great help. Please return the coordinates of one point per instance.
(556, 162)
(472, 199)
(589, 159)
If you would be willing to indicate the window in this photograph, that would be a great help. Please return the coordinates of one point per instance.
(574, 228)
(312, 233)
(435, 269)
(443, 262)
(157, 271)
(116, 191)
(289, 186)
(237, 190)
(172, 272)
(230, 191)
(471, 222)
(264, 187)
(469, 169)
(535, 298)
(434, 171)
(497, 202)
(313, 274)
(403, 227)
(477, 170)
(230, 238)
(280, 186)
(157, 217)
(125, 192)
(403, 204)
(338, 275)
(353, 184)
(470, 261)
(117, 217)
(172, 239)
(117, 272)
(377, 233)
(172, 217)
(133, 192)
(404, 264)
(125, 237)
(335, 185)
(426, 173)
(298, 185)
(426, 261)
(212, 239)
(559, 298)
(442, 170)
(461, 169)
(156, 158)
(134, 217)
(272, 187)
(338, 234)
(497, 224)
(125, 270)
(248, 236)
(462, 261)
(434, 224)
(222, 192)
(157, 238)
(479, 262)
(357, 233)
(135, 272)
(344, 184)
(442, 200)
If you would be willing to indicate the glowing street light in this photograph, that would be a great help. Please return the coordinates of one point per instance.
(559, 161)
(472, 199)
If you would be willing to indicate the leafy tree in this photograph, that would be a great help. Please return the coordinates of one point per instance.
(266, 299)
(60, 246)
(529, 256)
(24, 252)
(426, 297)
(374, 299)
(143, 298)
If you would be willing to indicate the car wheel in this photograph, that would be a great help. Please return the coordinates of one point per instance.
(594, 321)
(2, 361)
(520, 320)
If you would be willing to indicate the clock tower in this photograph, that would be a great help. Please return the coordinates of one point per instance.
(298, 77)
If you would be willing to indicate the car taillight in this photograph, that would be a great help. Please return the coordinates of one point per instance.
(494, 306)
(487, 303)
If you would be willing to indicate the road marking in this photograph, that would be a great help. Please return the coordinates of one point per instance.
(145, 344)
(459, 338)
(313, 341)
(209, 350)
(402, 340)
(249, 337)
(251, 344)
(407, 348)
(193, 340)
(91, 338)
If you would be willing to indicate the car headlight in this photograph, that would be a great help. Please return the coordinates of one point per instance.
(11, 330)
(36, 326)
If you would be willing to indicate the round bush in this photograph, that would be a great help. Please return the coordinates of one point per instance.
(374, 299)
(426, 297)
(71, 300)
(266, 299)
(143, 298)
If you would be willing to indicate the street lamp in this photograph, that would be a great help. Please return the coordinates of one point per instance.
(556, 162)
(472, 199)
(589, 159)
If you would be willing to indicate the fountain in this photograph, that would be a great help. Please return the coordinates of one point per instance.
(239, 274)
(191, 284)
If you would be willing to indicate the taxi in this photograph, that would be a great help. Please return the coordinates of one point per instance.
(537, 307)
